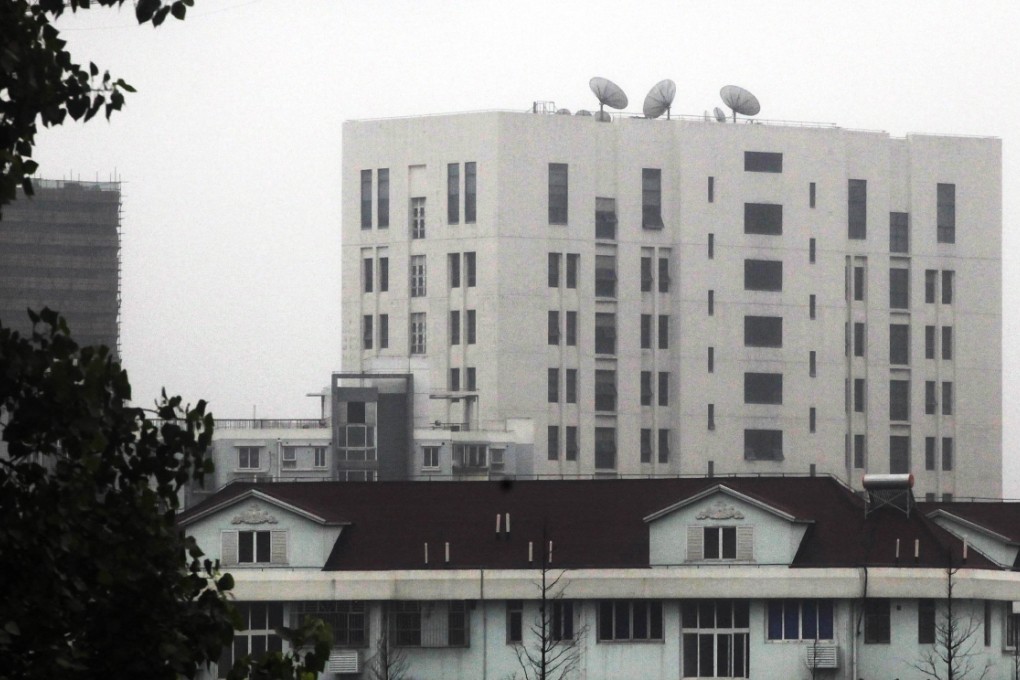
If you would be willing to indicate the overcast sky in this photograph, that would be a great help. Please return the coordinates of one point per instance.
(230, 150)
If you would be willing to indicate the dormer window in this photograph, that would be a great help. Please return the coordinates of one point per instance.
(720, 543)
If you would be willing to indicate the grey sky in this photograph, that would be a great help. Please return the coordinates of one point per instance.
(230, 150)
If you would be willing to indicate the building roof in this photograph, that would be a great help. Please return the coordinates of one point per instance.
(592, 523)
(1000, 517)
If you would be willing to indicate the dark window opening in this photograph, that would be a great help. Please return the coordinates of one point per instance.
(763, 161)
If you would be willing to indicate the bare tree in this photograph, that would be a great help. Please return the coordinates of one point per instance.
(956, 653)
(389, 661)
(551, 651)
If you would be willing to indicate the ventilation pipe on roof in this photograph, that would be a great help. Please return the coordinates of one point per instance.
(508, 525)
(964, 548)
(531, 552)
(447, 552)
(499, 522)
(426, 552)
(897, 551)
(550, 552)
(917, 549)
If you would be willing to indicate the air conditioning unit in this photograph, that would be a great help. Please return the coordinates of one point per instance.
(822, 655)
(344, 661)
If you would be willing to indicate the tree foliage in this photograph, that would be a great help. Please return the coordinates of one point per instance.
(98, 580)
(957, 653)
(41, 81)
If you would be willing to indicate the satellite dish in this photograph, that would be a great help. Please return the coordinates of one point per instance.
(562, 112)
(659, 99)
(602, 116)
(719, 115)
(609, 94)
(582, 112)
(740, 101)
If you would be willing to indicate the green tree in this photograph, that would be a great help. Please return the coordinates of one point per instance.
(98, 581)
(41, 81)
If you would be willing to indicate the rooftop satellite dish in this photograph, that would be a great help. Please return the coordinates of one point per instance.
(602, 117)
(582, 112)
(609, 94)
(740, 101)
(719, 115)
(659, 99)
(562, 112)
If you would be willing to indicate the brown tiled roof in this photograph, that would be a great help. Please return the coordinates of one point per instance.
(596, 524)
(1002, 517)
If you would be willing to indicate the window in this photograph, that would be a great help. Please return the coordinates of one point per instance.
(899, 288)
(947, 287)
(571, 385)
(711, 359)
(455, 327)
(857, 209)
(711, 189)
(605, 276)
(858, 283)
(651, 198)
(554, 385)
(663, 388)
(453, 260)
(860, 394)
(946, 213)
(383, 197)
(417, 276)
(248, 457)
(554, 270)
(811, 250)
(646, 331)
(930, 281)
(763, 388)
(455, 380)
(469, 265)
(763, 275)
(557, 193)
(646, 275)
(471, 379)
(259, 621)
(947, 454)
(763, 161)
(763, 445)
(554, 328)
(711, 303)
(430, 456)
(711, 246)
(929, 453)
(572, 264)
(876, 622)
(720, 543)
(256, 547)
(811, 194)
(470, 192)
(470, 456)
(899, 454)
(1012, 637)
(605, 390)
(860, 451)
(646, 445)
(947, 343)
(553, 442)
(605, 448)
(428, 624)
(572, 447)
(711, 416)
(453, 193)
(368, 278)
(605, 333)
(812, 363)
(663, 331)
(812, 306)
(349, 620)
(663, 446)
(931, 401)
(384, 274)
(899, 233)
(605, 218)
(929, 342)
(630, 620)
(715, 635)
(947, 398)
(899, 400)
(646, 388)
(471, 327)
(571, 329)
(860, 339)
(418, 332)
(418, 217)
(515, 620)
(800, 620)
(763, 218)
(366, 332)
(812, 419)
(320, 457)
(763, 331)
(366, 199)
(899, 344)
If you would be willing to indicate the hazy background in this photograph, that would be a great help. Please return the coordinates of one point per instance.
(230, 150)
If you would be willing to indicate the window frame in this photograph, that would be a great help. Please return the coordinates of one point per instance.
(559, 193)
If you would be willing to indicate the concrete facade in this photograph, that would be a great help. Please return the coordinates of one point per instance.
(926, 361)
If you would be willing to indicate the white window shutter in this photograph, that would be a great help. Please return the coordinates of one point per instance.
(745, 543)
(228, 548)
(695, 543)
(278, 547)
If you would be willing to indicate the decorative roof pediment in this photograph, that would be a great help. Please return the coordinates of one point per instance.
(719, 510)
(253, 514)
(256, 513)
(720, 502)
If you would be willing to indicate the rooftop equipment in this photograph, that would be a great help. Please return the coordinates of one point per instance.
(659, 99)
(740, 101)
(609, 94)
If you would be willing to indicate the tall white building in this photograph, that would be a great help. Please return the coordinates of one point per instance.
(682, 296)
